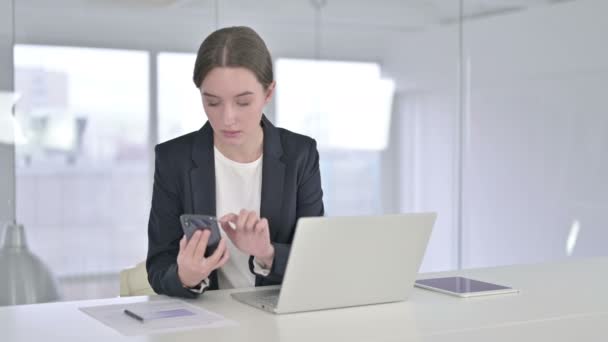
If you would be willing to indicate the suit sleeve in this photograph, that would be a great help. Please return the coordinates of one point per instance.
(164, 232)
(309, 203)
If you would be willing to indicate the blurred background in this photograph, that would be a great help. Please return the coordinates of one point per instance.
(493, 113)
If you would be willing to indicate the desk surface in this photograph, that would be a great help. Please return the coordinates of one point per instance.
(558, 302)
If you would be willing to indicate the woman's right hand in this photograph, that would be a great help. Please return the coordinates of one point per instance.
(192, 266)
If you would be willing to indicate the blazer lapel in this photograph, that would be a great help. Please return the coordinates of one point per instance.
(273, 177)
(202, 175)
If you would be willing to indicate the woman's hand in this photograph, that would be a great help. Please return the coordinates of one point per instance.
(192, 266)
(250, 234)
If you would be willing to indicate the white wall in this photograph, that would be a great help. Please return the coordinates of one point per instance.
(7, 152)
(426, 68)
(535, 131)
(537, 157)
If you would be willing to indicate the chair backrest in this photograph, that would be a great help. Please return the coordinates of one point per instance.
(134, 281)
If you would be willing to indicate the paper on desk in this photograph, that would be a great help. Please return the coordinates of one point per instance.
(157, 321)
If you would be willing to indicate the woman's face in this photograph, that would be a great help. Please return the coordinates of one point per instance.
(233, 100)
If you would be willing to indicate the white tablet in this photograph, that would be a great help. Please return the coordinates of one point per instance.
(463, 287)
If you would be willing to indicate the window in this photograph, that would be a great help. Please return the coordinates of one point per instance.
(83, 170)
(346, 107)
(180, 109)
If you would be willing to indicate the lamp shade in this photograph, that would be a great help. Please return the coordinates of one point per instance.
(24, 278)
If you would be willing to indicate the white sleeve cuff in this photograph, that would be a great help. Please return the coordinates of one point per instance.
(201, 287)
(259, 269)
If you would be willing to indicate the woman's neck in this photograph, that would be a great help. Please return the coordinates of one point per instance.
(248, 152)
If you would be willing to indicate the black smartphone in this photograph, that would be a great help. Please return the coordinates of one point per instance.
(192, 222)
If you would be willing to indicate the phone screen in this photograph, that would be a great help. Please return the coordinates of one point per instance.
(193, 222)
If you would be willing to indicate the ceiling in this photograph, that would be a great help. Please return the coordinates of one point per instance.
(397, 15)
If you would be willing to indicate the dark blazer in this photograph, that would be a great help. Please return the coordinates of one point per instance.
(184, 182)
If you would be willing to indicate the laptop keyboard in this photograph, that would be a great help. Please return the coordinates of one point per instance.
(271, 301)
(268, 298)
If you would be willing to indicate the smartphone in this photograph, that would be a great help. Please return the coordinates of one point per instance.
(192, 222)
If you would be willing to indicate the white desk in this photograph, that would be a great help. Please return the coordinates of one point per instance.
(554, 305)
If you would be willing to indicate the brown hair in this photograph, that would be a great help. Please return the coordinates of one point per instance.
(238, 46)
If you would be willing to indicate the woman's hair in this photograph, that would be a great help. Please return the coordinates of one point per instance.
(237, 46)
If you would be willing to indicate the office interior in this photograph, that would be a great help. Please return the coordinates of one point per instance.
(491, 113)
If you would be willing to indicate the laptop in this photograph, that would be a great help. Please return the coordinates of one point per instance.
(338, 262)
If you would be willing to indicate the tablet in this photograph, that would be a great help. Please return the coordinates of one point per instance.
(463, 287)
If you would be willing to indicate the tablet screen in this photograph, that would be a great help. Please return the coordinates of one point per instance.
(461, 285)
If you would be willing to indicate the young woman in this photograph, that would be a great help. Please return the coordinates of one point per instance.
(256, 178)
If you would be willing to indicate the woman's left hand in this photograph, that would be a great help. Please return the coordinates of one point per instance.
(250, 235)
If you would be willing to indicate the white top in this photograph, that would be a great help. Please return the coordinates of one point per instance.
(237, 186)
